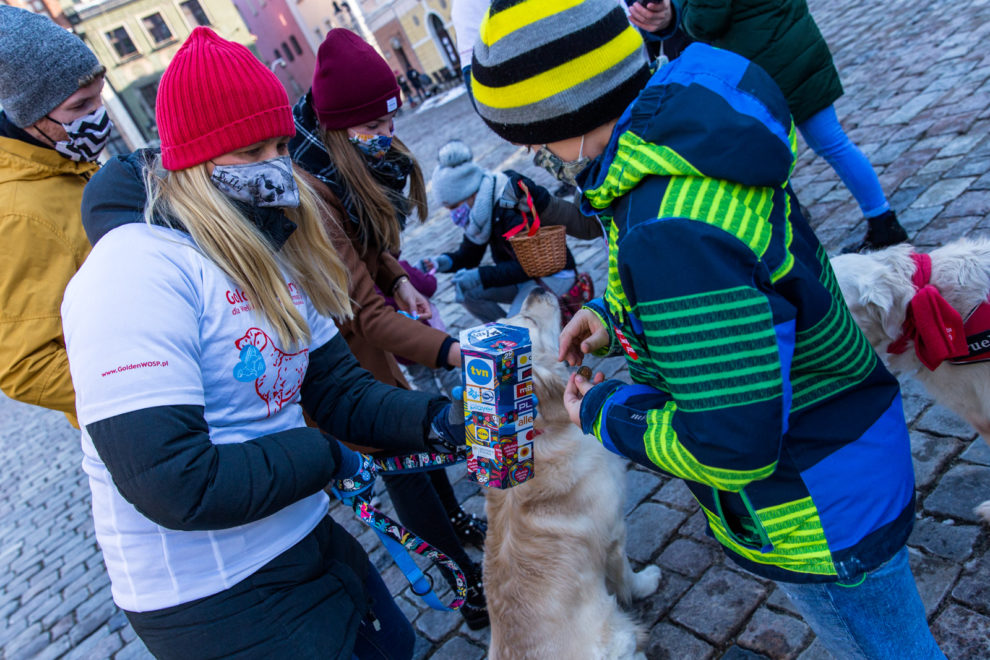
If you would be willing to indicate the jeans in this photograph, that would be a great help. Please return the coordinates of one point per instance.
(878, 619)
(825, 136)
(483, 303)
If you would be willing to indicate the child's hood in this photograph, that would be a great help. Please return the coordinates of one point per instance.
(710, 113)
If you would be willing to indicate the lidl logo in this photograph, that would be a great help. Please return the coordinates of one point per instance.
(480, 372)
(482, 434)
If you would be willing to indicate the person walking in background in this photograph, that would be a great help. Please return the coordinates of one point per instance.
(345, 138)
(783, 38)
(53, 127)
(751, 381)
(207, 485)
(417, 83)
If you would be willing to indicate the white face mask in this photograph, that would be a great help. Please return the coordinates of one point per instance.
(87, 136)
(265, 184)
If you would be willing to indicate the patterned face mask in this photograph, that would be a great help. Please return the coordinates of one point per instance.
(375, 146)
(460, 215)
(264, 184)
(565, 171)
(87, 136)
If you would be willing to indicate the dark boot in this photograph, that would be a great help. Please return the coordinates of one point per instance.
(882, 231)
(470, 529)
(475, 609)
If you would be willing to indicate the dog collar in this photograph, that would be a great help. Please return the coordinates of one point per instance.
(977, 328)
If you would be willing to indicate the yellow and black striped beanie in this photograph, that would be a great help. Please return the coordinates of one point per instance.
(548, 70)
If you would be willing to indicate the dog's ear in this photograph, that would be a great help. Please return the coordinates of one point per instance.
(543, 308)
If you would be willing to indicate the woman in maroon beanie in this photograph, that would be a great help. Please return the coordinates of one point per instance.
(345, 138)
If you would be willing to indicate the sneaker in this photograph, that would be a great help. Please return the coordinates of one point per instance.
(475, 608)
(470, 529)
(882, 231)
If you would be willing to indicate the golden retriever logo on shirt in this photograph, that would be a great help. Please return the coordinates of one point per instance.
(277, 375)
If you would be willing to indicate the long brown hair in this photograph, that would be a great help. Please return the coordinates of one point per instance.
(239, 249)
(379, 227)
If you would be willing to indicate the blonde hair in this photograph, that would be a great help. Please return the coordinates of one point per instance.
(379, 227)
(186, 199)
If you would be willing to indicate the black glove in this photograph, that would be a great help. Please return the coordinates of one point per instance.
(447, 428)
(541, 197)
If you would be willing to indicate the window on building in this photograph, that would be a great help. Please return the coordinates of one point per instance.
(148, 94)
(156, 27)
(295, 44)
(288, 53)
(121, 42)
(194, 13)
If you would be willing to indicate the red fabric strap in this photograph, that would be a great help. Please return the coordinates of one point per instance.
(934, 326)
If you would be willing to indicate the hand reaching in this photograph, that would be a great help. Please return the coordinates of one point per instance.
(583, 334)
(651, 15)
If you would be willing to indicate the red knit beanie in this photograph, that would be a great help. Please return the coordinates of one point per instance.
(352, 83)
(216, 97)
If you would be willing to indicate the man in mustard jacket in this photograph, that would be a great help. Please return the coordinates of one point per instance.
(52, 128)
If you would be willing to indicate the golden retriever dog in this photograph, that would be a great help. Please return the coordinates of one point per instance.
(556, 570)
(877, 288)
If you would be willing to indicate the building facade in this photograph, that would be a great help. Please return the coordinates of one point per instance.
(281, 42)
(414, 34)
(135, 40)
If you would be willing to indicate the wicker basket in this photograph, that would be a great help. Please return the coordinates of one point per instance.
(544, 253)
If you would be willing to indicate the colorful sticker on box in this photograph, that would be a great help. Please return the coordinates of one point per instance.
(524, 389)
(480, 372)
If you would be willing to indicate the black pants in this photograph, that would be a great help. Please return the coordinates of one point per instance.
(309, 602)
(424, 502)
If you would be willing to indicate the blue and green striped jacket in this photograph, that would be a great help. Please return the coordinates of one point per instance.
(752, 383)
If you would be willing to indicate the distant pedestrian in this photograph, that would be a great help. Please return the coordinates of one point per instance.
(414, 80)
(53, 127)
(404, 86)
(783, 38)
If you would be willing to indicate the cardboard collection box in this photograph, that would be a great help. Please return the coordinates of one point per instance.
(499, 408)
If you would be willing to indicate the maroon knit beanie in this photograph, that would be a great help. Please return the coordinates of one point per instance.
(216, 97)
(352, 84)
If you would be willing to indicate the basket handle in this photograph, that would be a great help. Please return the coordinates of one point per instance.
(535, 227)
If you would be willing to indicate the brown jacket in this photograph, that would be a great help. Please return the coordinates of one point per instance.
(377, 331)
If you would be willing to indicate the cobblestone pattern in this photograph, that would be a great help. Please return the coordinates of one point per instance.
(917, 101)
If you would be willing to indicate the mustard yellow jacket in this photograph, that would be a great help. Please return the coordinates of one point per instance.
(42, 245)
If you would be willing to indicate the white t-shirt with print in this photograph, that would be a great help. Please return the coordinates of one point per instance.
(149, 321)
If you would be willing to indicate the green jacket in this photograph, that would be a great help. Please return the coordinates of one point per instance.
(780, 36)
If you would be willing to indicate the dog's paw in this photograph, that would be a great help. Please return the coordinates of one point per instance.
(983, 511)
(646, 582)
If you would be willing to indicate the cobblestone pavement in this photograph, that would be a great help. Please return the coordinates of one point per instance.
(917, 101)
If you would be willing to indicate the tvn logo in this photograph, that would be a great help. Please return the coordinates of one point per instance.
(480, 373)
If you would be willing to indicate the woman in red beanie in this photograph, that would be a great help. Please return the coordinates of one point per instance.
(345, 138)
(197, 335)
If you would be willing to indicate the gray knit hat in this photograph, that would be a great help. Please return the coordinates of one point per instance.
(457, 177)
(41, 65)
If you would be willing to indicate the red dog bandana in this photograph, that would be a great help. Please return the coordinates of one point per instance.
(934, 326)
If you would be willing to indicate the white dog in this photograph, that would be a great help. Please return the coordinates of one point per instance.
(555, 564)
(877, 287)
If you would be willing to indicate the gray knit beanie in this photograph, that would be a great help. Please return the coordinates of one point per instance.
(41, 65)
(457, 177)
